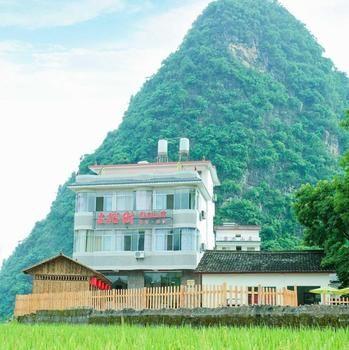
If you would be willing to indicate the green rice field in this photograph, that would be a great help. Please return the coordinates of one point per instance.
(52, 337)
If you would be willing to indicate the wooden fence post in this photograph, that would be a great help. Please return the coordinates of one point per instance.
(182, 296)
(259, 301)
(295, 296)
(224, 295)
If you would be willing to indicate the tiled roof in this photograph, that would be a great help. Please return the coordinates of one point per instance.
(222, 261)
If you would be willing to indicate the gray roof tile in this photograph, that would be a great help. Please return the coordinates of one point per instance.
(223, 261)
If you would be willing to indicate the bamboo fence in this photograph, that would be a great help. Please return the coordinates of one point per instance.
(172, 297)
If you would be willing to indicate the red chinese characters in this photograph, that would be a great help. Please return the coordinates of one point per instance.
(112, 218)
(100, 218)
(128, 218)
(131, 218)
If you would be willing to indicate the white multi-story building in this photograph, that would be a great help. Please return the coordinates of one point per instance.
(145, 224)
(231, 236)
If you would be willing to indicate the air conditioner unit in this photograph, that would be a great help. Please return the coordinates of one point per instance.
(202, 215)
(139, 255)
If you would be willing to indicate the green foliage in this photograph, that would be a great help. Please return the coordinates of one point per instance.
(251, 89)
(323, 209)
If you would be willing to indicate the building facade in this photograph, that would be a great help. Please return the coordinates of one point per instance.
(145, 224)
(231, 236)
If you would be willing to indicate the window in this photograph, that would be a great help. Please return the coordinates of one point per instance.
(140, 241)
(163, 200)
(190, 238)
(107, 242)
(162, 279)
(99, 241)
(167, 240)
(84, 202)
(173, 240)
(125, 201)
(184, 199)
(134, 241)
(103, 241)
(238, 248)
(176, 239)
(143, 200)
(127, 242)
(99, 203)
(104, 203)
(79, 241)
(118, 282)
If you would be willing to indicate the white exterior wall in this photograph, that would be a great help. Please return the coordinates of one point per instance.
(229, 237)
(277, 280)
(246, 234)
(190, 218)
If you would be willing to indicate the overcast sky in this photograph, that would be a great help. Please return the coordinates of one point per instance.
(68, 69)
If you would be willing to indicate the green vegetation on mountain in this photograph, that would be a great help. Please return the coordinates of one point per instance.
(324, 211)
(251, 89)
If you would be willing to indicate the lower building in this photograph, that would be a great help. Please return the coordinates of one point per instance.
(63, 274)
(231, 236)
(269, 269)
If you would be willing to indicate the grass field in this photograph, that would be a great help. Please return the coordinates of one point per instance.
(52, 337)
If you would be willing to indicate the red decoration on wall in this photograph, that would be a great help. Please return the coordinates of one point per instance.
(112, 218)
(128, 218)
(100, 218)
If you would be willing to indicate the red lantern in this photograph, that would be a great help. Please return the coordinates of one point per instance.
(93, 281)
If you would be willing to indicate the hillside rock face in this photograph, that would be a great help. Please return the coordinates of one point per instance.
(250, 88)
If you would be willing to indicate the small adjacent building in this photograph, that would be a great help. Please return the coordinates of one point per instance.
(146, 224)
(268, 269)
(231, 236)
(63, 274)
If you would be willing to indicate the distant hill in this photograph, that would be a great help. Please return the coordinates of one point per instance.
(250, 88)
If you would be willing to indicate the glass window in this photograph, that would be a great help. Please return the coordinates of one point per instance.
(170, 201)
(162, 279)
(160, 240)
(163, 200)
(104, 203)
(125, 201)
(140, 243)
(89, 241)
(143, 200)
(184, 199)
(134, 241)
(99, 241)
(108, 202)
(238, 248)
(168, 239)
(127, 242)
(159, 200)
(118, 282)
(99, 203)
(84, 202)
(79, 241)
(107, 242)
(189, 238)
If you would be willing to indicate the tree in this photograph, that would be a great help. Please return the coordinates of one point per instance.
(323, 210)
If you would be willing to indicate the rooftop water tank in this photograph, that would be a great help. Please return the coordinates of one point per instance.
(183, 148)
(162, 150)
